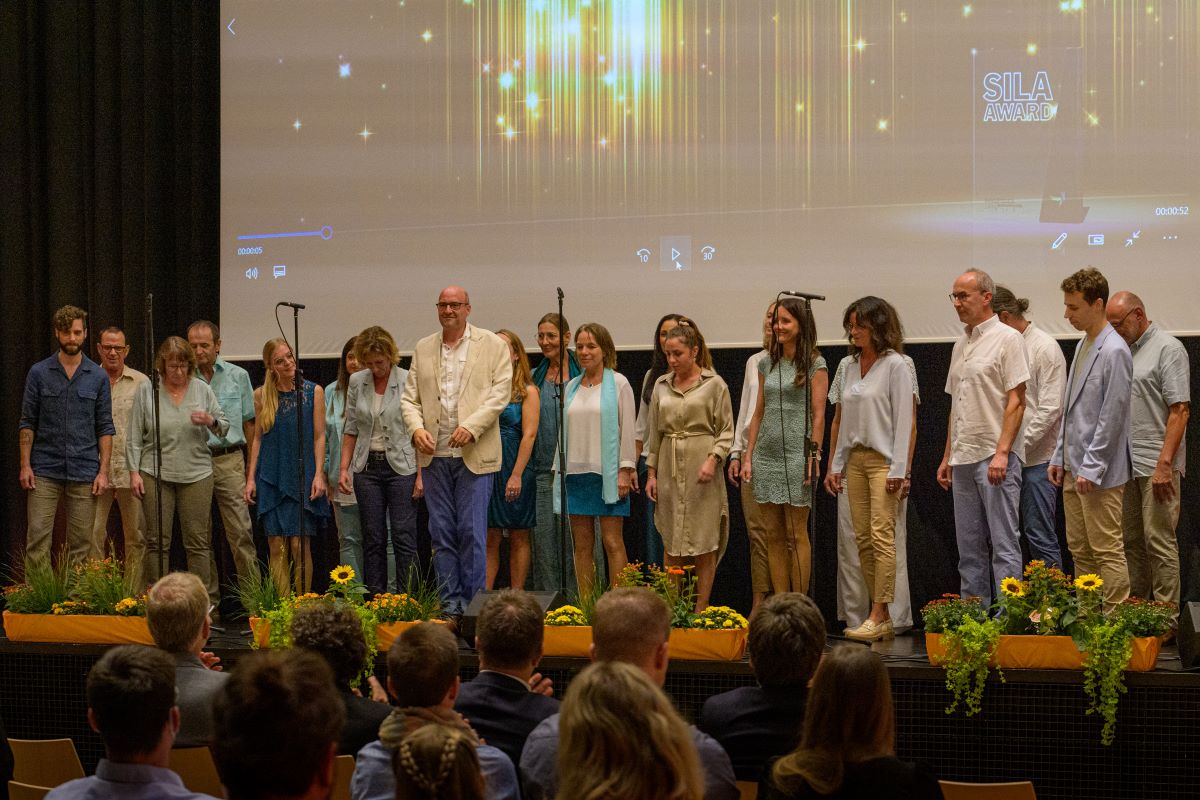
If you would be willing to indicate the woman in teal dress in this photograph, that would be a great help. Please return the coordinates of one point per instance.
(513, 505)
(783, 446)
(273, 459)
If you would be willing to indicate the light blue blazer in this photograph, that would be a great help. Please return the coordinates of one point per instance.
(1095, 422)
(359, 396)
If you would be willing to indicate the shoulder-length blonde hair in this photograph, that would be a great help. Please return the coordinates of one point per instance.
(269, 400)
(619, 736)
(848, 718)
(522, 376)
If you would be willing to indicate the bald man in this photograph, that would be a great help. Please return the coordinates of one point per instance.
(459, 382)
(1159, 409)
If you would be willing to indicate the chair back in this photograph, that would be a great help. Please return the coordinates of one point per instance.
(23, 791)
(45, 762)
(1019, 790)
(196, 768)
(343, 770)
(747, 790)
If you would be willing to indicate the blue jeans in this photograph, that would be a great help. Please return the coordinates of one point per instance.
(1038, 496)
(985, 517)
(386, 496)
(457, 500)
(350, 545)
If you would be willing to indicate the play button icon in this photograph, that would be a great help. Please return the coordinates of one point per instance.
(676, 253)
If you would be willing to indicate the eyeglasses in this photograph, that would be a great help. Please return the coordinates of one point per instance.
(113, 348)
(179, 367)
(1122, 322)
(449, 306)
(959, 297)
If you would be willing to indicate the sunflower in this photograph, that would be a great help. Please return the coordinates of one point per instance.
(1089, 583)
(342, 574)
(1012, 587)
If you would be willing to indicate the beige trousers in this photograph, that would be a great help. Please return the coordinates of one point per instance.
(1094, 536)
(756, 529)
(193, 502)
(789, 552)
(229, 487)
(41, 508)
(1151, 550)
(133, 529)
(873, 512)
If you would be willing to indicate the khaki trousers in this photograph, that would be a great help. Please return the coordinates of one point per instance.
(1094, 537)
(756, 529)
(789, 553)
(193, 501)
(133, 529)
(41, 508)
(229, 488)
(873, 511)
(1151, 550)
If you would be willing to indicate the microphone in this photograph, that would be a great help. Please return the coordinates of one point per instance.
(560, 292)
(804, 295)
(299, 305)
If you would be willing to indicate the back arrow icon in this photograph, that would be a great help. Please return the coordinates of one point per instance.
(230, 26)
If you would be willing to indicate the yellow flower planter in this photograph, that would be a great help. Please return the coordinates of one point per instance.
(385, 634)
(1048, 652)
(686, 644)
(76, 629)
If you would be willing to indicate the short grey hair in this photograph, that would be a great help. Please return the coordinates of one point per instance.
(983, 281)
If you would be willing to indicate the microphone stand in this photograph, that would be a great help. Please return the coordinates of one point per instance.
(563, 364)
(156, 386)
(299, 388)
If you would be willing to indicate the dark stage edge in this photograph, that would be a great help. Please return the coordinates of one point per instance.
(1032, 726)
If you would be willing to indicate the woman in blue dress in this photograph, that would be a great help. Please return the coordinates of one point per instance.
(513, 505)
(273, 458)
(345, 504)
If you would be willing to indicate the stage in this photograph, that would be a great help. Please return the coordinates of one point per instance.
(1032, 726)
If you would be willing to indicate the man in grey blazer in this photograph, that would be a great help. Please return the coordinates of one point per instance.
(459, 382)
(177, 612)
(1091, 461)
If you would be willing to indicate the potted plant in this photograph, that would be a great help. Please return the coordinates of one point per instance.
(90, 603)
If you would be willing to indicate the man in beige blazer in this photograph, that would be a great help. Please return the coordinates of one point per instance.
(459, 382)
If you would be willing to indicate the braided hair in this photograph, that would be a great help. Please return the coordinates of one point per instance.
(440, 763)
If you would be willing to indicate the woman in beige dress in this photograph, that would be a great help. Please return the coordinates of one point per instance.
(688, 434)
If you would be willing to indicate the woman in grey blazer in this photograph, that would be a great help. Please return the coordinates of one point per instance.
(378, 461)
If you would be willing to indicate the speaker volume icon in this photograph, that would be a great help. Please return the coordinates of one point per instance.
(252, 274)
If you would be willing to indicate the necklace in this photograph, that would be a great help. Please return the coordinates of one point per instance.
(588, 383)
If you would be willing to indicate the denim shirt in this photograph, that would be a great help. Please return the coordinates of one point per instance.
(67, 417)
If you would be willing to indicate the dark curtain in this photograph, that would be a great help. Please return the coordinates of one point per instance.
(109, 182)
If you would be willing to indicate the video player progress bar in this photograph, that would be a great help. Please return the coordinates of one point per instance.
(325, 233)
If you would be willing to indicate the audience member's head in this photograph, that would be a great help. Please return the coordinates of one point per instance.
(335, 633)
(619, 736)
(131, 702)
(423, 666)
(632, 624)
(509, 632)
(177, 613)
(786, 638)
(438, 761)
(848, 719)
(277, 720)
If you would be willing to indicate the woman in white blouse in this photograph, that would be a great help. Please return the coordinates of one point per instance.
(869, 461)
(601, 456)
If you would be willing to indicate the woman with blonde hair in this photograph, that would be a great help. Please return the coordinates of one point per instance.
(847, 747)
(619, 736)
(601, 459)
(513, 505)
(438, 761)
(274, 454)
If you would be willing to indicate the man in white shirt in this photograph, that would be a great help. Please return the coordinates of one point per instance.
(1039, 425)
(459, 382)
(988, 373)
(1159, 412)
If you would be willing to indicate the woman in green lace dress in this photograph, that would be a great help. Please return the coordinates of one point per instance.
(783, 446)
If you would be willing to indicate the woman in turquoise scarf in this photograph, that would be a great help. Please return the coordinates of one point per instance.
(601, 456)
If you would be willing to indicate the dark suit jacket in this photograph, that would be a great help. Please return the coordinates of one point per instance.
(868, 780)
(196, 685)
(503, 711)
(363, 718)
(754, 725)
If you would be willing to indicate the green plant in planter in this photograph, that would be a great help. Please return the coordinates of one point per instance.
(44, 587)
(969, 648)
(1108, 649)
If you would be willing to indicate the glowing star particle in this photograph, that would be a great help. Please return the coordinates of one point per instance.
(531, 100)
(1149, 9)
(383, 86)
(500, 120)
(344, 69)
(516, 63)
(610, 78)
(296, 126)
(967, 10)
(604, 142)
(510, 134)
(903, 16)
(427, 36)
(487, 68)
(601, 58)
(1031, 48)
(364, 133)
(506, 80)
(860, 45)
(882, 125)
(1093, 120)
(800, 107)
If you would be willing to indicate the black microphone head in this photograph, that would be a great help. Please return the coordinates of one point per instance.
(560, 292)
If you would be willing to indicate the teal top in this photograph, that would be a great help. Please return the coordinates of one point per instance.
(779, 451)
(231, 385)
